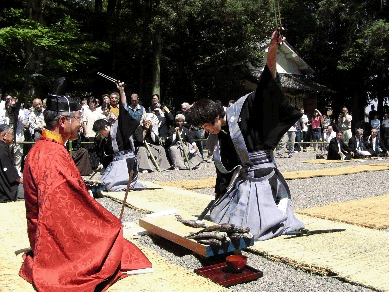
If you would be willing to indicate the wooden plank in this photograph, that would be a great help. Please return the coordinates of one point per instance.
(168, 227)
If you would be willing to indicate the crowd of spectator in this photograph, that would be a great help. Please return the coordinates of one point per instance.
(324, 132)
(164, 141)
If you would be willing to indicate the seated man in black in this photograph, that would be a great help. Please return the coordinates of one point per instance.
(80, 156)
(357, 146)
(9, 177)
(337, 150)
(375, 146)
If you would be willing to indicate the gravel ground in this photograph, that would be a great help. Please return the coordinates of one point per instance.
(306, 193)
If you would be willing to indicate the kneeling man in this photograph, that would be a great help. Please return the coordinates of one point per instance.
(117, 142)
(250, 189)
(76, 244)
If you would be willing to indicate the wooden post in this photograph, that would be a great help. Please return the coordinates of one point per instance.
(152, 156)
(183, 150)
(131, 175)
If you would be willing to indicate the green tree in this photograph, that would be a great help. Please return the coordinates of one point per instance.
(338, 39)
(43, 37)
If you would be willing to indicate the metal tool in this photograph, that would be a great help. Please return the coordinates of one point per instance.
(306, 232)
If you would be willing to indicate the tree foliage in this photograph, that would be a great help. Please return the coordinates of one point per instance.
(53, 48)
(191, 49)
(346, 44)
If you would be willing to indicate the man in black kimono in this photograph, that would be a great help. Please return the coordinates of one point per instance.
(119, 144)
(9, 177)
(250, 190)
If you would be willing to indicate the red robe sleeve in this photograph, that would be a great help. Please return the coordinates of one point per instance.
(76, 243)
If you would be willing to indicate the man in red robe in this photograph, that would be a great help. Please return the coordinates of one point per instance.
(76, 244)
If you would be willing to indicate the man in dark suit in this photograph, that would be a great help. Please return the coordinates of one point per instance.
(357, 144)
(375, 146)
(337, 150)
(9, 177)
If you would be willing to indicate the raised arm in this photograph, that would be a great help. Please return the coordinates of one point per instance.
(123, 98)
(276, 39)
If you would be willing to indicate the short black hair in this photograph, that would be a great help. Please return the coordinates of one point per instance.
(105, 106)
(92, 99)
(204, 111)
(99, 125)
(4, 128)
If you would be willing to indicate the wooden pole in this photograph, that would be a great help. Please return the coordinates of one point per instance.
(183, 149)
(131, 175)
(152, 156)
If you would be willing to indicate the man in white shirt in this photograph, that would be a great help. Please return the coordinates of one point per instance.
(36, 120)
(304, 125)
(7, 117)
(374, 145)
(345, 125)
(385, 126)
(90, 115)
(330, 135)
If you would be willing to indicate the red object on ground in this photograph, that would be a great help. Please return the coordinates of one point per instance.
(221, 275)
(76, 244)
(236, 262)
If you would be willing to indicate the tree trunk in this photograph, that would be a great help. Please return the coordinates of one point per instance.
(34, 58)
(157, 50)
(111, 7)
(358, 112)
(35, 10)
(99, 6)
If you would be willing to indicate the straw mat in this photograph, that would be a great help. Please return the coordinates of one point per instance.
(323, 161)
(210, 182)
(190, 184)
(359, 255)
(335, 171)
(164, 199)
(369, 212)
(165, 278)
(13, 237)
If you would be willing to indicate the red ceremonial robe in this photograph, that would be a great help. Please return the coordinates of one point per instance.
(77, 245)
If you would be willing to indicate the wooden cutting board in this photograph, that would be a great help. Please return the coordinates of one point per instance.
(171, 229)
